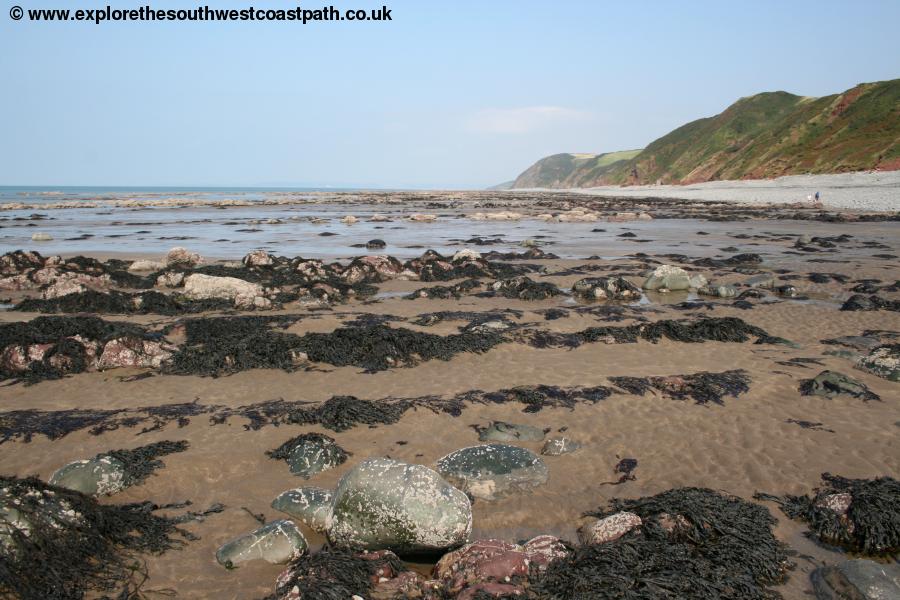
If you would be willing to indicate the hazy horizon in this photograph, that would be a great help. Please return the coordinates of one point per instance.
(460, 97)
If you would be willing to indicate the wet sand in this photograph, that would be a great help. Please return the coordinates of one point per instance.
(744, 446)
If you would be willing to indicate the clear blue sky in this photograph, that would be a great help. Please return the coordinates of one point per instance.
(459, 93)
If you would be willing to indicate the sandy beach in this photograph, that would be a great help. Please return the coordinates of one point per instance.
(767, 438)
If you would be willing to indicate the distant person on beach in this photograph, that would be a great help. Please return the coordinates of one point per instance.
(817, 196)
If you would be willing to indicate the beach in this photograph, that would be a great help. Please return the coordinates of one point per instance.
(790, 272)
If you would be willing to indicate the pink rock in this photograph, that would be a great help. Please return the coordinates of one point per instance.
(258, 258)
(839, 503)
(133, 352)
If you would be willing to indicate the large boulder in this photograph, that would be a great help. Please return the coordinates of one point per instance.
(857, 579)
(309, 505)
(277, 543)
(493, 470)
(387, 504)
(244, 294)
(668, 277)
(98, 476)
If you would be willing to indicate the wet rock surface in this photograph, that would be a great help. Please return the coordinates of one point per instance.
(386, 504)
(309, 505)
(831, 384)
(493, 471)
(309, 454)
(277, 542)
(857, 579)
(501, 431)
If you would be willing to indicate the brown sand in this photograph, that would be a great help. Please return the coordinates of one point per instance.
(741, 447)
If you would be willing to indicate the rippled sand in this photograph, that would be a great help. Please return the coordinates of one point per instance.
(745, 446)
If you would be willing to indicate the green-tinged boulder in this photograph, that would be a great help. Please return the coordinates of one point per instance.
(310, 453)
(493, 470)
(277, 543)
(668, 277)
(98, 476)
(387, 504)
(309, 505)
(858, 579)
(559, 445)
(831, 384)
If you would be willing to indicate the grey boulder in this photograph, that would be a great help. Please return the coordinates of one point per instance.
(98, 476)
(309, 505)
(277, 543)
(857, 580)
(387, 504)
(500, 431)
(493, 470)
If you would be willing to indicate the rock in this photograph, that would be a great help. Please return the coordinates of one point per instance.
(883, 361)
(559, 445)
(181, 257)
(258, 258)
(384, 503)
(668, 277)
(788, 291)
(493, 470)
(244, 293)
(309, 505)
(422, 218)
(719, 291)
(464, 572)
(144, 266)
(63, 288)
(40, 236)
(838, 503)
(379, 218)
(466, 255)
(349, 220)
(170, 279)
(609, 528)
(606, 288)
(831, 384)
(500, 431)
(375, 244)
(765, 280)
(98, 476)
(857, 579)
(134, 352)
(314, 453)
(277, 543)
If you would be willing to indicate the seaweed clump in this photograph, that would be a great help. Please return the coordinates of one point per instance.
(57, 543)
(702, 388)
(859, 515)
(719, 548)
(122, 303)
(340, 413)
(139, 463)
(333, 574)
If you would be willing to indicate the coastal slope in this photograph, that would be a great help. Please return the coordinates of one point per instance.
(767, 135)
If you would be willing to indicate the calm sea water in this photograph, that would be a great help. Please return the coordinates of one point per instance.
(35, 194)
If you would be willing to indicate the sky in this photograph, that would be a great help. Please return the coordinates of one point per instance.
(448, 94)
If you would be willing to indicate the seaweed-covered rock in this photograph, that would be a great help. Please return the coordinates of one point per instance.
(493, 470)
(463, 572)
(873, 302)
(525, 288)
(857, 579)
(559, 445)
(387, 504)
(60, 544)
(500, 431)
(861, 515)
(376, 244)
(668, 277)
(608, 529)
(310, 453)
(309, 505)
(831, 384)
(719, 291)
(883, 361)
(99, 476)
(341, 574)
(724, 549)
(277, 543)
(606, 288)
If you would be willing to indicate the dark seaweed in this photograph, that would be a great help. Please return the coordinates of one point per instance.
(871, 525)
(141, 462)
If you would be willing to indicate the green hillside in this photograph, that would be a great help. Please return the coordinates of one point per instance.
(762, 136)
